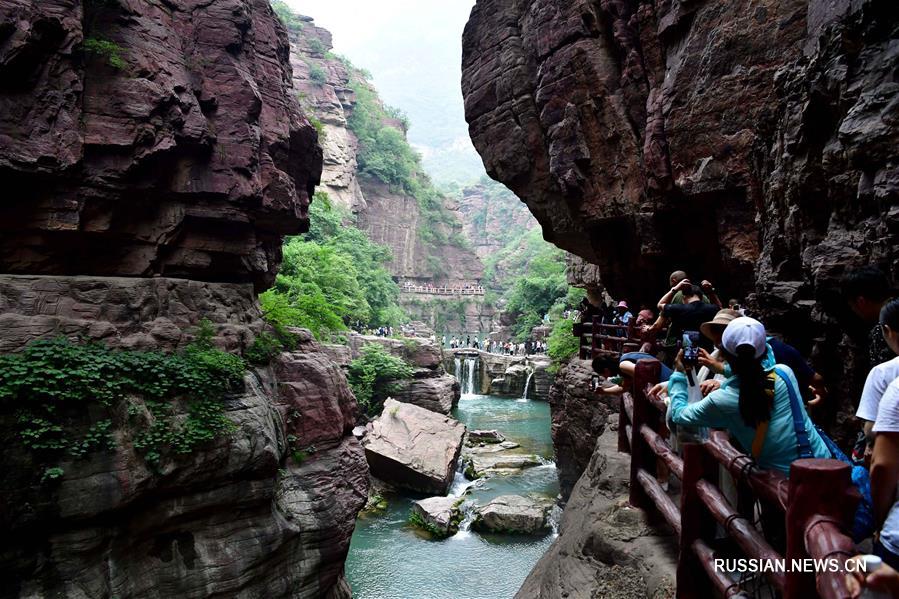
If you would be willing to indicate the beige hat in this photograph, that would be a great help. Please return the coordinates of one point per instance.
(720, 322)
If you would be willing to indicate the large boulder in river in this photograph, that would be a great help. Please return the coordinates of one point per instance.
(414, 448)
(513, 514)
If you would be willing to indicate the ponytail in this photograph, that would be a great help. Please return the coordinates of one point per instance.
(755, 403)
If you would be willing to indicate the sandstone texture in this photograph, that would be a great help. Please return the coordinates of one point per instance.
(158, 313)
(441, 514)
(485, 436)
(512, 514)
(480, 464)
(751, 143)
(238, 517)
(579, 417)
(180, 152)
(414, 448)
(430, 387)
(604, 548)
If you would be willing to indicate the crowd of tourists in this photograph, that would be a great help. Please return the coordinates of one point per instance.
(507, 348)
(722, 369)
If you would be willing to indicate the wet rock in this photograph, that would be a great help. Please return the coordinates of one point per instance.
(482, 464)
(414, 448)
(512, 514)
(485, 436)
(438, 515)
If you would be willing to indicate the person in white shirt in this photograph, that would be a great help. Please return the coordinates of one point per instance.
(885, 458)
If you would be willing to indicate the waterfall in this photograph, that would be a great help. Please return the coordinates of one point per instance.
(458, 369)
(470, 376)
(527, 383)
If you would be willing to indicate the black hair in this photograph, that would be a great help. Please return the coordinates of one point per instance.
(693, 291)
(889, 315)
(868, 282)
(603, 363)
(755, 403)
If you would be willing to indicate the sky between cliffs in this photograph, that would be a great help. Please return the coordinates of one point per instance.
(413, 48)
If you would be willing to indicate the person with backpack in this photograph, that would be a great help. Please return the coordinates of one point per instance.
(760, 406)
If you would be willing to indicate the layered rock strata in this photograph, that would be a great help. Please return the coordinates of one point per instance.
(240, 516)
(751, 143)
(144, 139)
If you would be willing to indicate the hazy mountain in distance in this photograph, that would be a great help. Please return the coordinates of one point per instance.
(413, 49)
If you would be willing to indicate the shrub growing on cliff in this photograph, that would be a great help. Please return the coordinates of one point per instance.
(107, 49)
(372, 375)
(65, 397)
(562, 345)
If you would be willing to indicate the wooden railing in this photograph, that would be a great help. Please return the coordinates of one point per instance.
(810, 510)
(597, 339)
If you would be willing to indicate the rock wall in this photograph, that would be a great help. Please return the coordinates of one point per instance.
(175, 149)
(747, 142)
(325, 87)
(237, 516)
(154, 155)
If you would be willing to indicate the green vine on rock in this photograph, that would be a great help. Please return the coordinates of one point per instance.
(66, 400)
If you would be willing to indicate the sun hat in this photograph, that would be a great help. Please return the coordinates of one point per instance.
(745, 331)
(723, 318)
(622, 304)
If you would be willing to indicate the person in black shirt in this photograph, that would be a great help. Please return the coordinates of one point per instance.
(688, 316)
(867, 290)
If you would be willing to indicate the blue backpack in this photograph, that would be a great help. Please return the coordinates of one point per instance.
(863, 523)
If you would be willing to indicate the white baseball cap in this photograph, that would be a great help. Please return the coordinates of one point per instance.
(745, 331)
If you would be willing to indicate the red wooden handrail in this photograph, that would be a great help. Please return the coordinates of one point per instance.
(817, 503)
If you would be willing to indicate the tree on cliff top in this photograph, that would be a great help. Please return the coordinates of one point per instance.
(332, 277)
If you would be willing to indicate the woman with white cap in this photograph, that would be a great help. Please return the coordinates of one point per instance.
(754, 405)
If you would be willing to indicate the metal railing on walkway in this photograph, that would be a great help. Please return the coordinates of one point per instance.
(598, 339)
(443, 290)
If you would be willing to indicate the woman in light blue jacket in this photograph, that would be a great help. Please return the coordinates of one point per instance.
(753, 405)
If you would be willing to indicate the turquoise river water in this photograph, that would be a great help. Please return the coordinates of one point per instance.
(390, 559)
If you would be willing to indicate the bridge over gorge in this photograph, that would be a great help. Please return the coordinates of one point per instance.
(722, 493)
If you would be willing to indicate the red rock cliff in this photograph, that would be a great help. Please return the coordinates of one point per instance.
(753, 143)
(140, 137)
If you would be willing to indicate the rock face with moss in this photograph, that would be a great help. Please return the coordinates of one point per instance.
(153, 155)
(143, 139)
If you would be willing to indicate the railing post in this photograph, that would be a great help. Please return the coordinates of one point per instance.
(593, 352)
(646, 372)
(816, 487)
(696, 522)
(623, 444)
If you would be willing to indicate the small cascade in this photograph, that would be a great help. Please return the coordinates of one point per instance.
(527, 384)
(468, 516)
(460, 484)
(469, 377)
(555, 518)
(458, 363)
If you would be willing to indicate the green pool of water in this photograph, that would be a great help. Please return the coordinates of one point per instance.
(389, 559)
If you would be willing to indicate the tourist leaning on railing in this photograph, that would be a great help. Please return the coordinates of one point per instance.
(754, 405)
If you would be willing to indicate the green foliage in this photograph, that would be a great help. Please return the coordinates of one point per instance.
(384, 154)
(317, 46)
(332, 277)
(416, 520)
(317, 74)
(287, 16)
(55, 388)
(562, 345)
(319, 128)
(266, 346)
(372, 374)
(107, 49)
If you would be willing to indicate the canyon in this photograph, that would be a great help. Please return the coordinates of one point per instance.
(749, 143)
